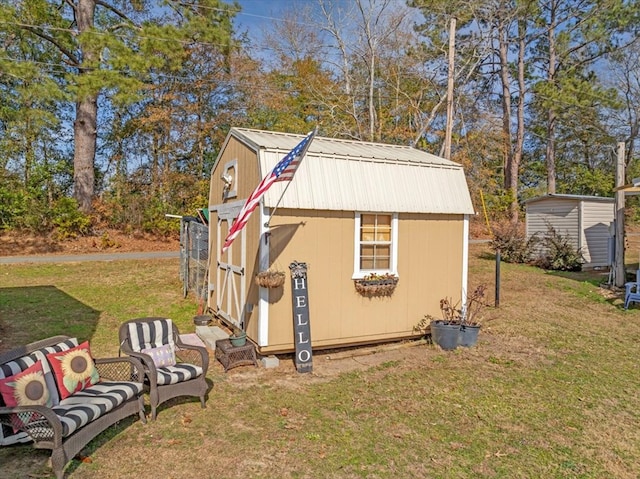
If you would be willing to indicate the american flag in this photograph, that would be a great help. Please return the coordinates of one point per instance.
(283, 171)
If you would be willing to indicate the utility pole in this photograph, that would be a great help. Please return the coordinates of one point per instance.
(619, 270)
(449, 127)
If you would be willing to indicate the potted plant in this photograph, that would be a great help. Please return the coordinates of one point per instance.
(445, 332)
(458, 327)
(470, 319)
(238, 337)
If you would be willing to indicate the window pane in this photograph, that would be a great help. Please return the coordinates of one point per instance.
(367, 233)
(369, 220)
(383, 234)
(367, 250)
(383, 227)
(384, 220)
(382, 263)
(366, 263)
(382, 257)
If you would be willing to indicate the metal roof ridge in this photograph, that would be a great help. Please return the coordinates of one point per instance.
(337, 140)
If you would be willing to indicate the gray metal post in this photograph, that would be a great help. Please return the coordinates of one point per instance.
(619, 269)
(497, 302)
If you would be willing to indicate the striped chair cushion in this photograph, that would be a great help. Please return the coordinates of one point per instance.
(149, 335)
(89, 404)
(178, 373)
(7, 436)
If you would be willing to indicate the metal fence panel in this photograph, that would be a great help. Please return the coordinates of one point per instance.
(194, 256)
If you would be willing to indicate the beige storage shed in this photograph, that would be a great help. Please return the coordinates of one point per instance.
(352, 209)
(586, 220)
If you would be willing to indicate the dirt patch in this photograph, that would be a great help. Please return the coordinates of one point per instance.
(404, 355)
(18, 243)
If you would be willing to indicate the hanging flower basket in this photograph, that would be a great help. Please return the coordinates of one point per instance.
(376, 285)
(270, 279)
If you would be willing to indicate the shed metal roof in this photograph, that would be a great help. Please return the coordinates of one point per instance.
(603, 199)
(349, 175)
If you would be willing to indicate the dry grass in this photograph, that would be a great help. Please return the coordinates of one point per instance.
(550, 391)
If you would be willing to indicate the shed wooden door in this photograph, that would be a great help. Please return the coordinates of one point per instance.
(230, 271)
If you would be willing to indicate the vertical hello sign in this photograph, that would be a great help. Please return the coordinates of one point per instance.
(301, 327)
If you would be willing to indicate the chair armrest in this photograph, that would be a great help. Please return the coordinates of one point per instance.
(125, 368)
(193, 354)
(39, 422)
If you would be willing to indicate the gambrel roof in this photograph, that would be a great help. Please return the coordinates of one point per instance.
(347, 175)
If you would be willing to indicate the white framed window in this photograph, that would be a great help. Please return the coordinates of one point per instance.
(375, 244)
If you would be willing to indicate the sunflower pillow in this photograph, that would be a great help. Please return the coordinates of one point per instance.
(73, 369)
(27, 388)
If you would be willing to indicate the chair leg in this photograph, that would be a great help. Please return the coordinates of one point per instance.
(141, 413)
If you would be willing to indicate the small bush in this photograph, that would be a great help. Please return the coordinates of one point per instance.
(510, 239)
(13, 207)
(558, 252)
(69, 220)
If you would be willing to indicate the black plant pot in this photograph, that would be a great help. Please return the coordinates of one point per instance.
(468, 335)
(445, 335)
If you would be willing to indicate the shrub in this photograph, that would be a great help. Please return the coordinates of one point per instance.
(558, 253)
(69, 220)
(510, 239)
(13, 207)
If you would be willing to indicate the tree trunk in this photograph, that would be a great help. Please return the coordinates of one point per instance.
(85, 125)
(551, 115)
(84, 129)
(519, 146)
(510, 168)
(450, 85)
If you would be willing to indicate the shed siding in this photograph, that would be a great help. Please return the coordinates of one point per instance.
(596, 219)
(562, 215)
(429, 267)
(586, 221)
(246, 178)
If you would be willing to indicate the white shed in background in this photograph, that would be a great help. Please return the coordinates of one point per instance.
(585, 219)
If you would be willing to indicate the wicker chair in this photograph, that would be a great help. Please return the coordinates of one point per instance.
(142, 338)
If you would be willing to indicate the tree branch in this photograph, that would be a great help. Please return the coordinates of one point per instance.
(114, 10)
(68, 53)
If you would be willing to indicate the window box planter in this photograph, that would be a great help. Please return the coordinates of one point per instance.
(376, 285)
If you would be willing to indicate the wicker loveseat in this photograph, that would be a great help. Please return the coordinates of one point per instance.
(54, 393)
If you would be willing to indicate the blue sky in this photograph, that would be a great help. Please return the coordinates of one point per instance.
(258, 14)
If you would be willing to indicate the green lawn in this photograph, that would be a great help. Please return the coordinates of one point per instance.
(551, 391)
